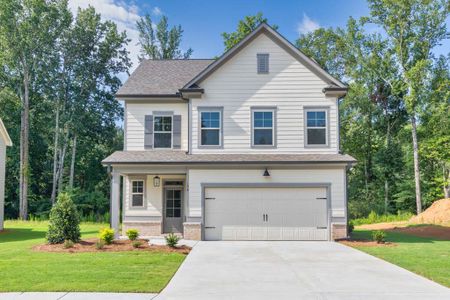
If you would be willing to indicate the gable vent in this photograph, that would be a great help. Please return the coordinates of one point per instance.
(262, 63)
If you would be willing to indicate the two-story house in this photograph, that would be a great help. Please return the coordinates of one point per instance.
(244, 147)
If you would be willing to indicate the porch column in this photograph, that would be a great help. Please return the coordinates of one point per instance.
(115, 203)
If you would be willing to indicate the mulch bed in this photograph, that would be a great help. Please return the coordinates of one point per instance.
(88, 245)
(366, 243)
(426, 231)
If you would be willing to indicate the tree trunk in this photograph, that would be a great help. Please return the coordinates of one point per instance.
(386, 196)
(72, 163)
(416, 163)
(24, 149)
(446, 185)
(55, 156)
(61, 167)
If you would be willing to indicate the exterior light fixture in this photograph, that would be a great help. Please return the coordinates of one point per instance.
(156, 181)
(266, 173)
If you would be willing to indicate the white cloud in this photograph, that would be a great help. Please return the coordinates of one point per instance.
(307, 25)
(124, 15)
(157, 11)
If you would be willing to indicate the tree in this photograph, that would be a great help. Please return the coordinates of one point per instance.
(245, 26)
(413, 28)
(64, 221)
(160, 42)
(28, 32)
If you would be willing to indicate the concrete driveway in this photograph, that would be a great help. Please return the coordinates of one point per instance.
(293, 270)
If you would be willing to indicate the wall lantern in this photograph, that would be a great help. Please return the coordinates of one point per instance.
(266, 173)
(156, 181)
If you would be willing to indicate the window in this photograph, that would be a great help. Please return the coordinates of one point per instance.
(316, 127)
(137, 193)
(162, 133)
(263, 128)
(173, 203)
(210, 128)
(262, 63)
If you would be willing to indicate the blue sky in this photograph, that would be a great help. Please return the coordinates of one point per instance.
(204, 21)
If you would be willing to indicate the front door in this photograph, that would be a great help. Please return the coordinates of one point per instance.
(173, 220)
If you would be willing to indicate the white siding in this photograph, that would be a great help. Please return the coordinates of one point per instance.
(289, 85)
(153, 196)
(135, 120)
(335, 176)
(2, 180)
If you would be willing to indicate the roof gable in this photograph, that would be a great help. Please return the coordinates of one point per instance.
(4, 134)
(282, 42)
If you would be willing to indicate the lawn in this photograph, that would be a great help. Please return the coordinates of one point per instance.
(22, 269)
(425, 256)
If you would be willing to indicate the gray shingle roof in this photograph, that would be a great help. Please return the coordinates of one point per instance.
(162, 77)
(181, 157)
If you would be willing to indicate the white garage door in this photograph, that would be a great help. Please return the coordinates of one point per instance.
(266, 214)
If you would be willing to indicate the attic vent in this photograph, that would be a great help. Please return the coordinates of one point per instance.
(262, 63)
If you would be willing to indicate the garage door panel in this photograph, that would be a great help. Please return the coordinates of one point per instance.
(292, 214)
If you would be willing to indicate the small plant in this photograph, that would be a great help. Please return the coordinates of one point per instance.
(68, 244)
(132, 234)
(107, 235)
(172, 240)
(64, 221)
(136, 244)
(99, 244)
(379, 236)
(350, 227)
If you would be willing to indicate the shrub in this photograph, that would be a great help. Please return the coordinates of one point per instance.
(99, 244)
(172, 240)
(136, 244)
(68, 244)
(64, 222)
(132, 234)
(379, 236)
(373, 218)
(107, 235)
(350, 227)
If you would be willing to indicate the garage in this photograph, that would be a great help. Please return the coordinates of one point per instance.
(266, 213)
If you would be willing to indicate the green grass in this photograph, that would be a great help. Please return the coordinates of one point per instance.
(22, 269)
(425, 256)
(373, 218)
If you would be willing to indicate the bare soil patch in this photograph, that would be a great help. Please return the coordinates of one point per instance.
(366, 243)
(88, 245)
(426, 231)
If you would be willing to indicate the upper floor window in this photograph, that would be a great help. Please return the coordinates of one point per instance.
(210, 128)
(316, 127)
(137, 193)
(162, 133)
(263, 127)
(262, 63)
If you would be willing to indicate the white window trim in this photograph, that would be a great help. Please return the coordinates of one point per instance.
(171, 131)
(273, 111)
(133, 193)
(326, 110)
(219, 128)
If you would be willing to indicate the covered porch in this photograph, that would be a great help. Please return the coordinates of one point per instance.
(151, 199)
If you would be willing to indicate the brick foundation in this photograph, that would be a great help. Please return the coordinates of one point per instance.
(338, 231)
(144, 228)
(192, 231)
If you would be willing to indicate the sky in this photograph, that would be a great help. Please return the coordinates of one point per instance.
(203, 21)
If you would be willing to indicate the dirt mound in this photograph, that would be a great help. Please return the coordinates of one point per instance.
(438, 213)
(426, 231)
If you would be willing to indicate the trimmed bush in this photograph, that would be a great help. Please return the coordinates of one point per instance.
(136, 244)
(350, 227)
(64, 222)
(99, 244)
(107, 235)
(172, 240)
(132, 234)
(379, 236)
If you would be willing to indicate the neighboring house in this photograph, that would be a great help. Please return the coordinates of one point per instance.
(5, 141)
(245, 147)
